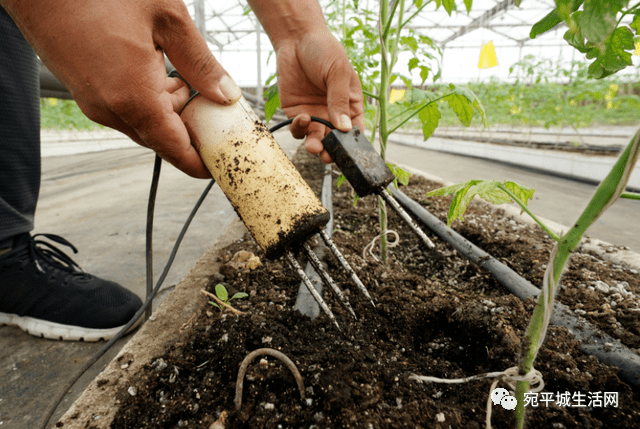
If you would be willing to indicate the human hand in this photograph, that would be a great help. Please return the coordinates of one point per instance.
(315, 78)
(109, 54)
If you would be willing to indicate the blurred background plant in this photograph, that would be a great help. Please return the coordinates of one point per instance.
(64, 115)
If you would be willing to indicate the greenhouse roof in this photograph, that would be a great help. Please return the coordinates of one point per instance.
(231, 33)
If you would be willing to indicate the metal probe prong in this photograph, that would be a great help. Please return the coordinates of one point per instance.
(312, 290)
(317, 265)
(327, 240)
(404, 215)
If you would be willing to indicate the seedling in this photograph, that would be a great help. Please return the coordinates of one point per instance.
(222, 296)
(583, 37)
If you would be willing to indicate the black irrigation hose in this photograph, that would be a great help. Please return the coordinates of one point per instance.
(592, 341)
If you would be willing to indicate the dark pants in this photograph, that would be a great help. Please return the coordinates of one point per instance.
(19, 131)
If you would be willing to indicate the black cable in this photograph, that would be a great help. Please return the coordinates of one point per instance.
(324, 122)
(150, 297)
(149, 233)
(151, 293)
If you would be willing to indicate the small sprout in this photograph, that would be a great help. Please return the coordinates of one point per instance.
(223, 295)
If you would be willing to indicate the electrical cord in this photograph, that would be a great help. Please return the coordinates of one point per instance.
(157, 165)
(326, 123)
(151, 295)
(151, 291)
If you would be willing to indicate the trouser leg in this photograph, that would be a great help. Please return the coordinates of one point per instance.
(19, 131)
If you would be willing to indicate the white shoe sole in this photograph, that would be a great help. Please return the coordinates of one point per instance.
(56, 331)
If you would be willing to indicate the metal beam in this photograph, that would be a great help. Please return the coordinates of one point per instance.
(440, 27)
(481, 20)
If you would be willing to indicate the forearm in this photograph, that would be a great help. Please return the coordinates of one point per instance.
(24, 14)
(288, 19)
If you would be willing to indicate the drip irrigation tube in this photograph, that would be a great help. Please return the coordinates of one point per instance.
(592, 341)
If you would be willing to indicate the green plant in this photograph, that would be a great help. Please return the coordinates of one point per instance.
(223, 297)
(556, 101)
(611, 188)
(596, 31)
(64, 115)
(374, 35)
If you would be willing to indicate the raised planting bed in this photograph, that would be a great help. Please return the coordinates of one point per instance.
(436, 314)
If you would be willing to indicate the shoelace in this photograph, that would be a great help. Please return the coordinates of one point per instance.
(53, 256)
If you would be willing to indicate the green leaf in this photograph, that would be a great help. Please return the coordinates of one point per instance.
(574, 37)
(410, 42)
(615, 56)
(468, 4)
(463, 101)
(545, 24)
(461, 200)
(430, 118)
(428, 41)
(424, 73)
(407, 82)
(567, 7)
(214, 304)
(272, 103)
(447, 190)
(562, 12)
(523, 193)
(402, 175)
(449, 5)
(270, 79)
(599, 19)
(239, 295)
(488, 190)
(418, 96)
(607, 192)
(477, 104)
(413, 63)
(355, 199)
(461, 106)
(636, 23)
(341, 179)
(221, 293)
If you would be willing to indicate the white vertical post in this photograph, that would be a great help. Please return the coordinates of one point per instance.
(441, 65)
(259, 89)
(520, 46)
(198, 6)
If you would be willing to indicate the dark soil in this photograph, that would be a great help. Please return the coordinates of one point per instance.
(436, 314)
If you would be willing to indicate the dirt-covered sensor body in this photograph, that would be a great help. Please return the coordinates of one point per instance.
(363, 167)
(266, 190)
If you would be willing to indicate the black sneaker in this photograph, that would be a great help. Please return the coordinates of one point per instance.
(45, 293)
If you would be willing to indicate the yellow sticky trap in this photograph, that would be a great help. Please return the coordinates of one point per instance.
(487, 56)
(396, 95)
